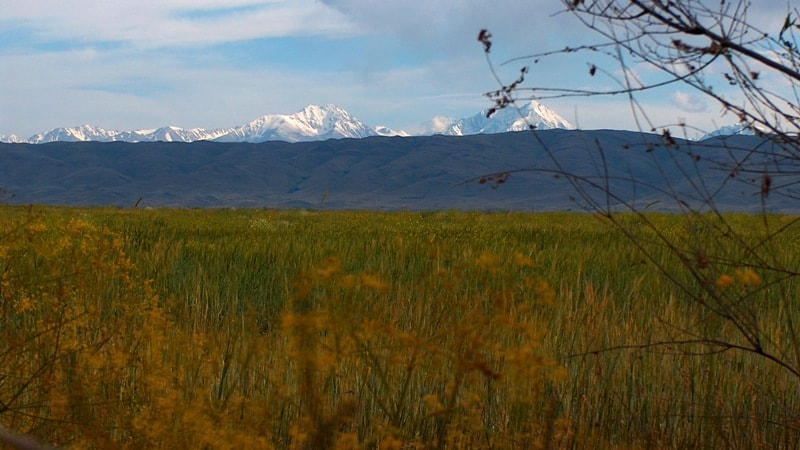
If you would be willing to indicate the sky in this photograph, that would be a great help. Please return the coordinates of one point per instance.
(142, 64)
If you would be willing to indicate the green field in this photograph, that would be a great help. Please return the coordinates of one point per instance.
(301, 329)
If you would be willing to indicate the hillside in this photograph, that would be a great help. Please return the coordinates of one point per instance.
(381, 173)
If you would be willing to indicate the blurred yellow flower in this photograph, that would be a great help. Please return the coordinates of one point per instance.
(25, 304)
(747, 277)
(522, 260)
(390, 443)
(724, 281)
(373, 282)
(544, 292)
(349, 281)
(331, 267)
(37, 227)
(487, 260)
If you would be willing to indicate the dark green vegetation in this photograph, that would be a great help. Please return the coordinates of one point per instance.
(362, 330)
(419, 173)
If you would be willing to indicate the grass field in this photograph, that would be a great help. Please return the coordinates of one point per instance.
(298, 329)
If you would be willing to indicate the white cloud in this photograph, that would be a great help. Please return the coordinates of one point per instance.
(688, 102)
(417, 60)
(444, 27)
(153, 23)
(152, 89)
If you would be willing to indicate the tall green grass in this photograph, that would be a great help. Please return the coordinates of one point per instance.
(309, 329)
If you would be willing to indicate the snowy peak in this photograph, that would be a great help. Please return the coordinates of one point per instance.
(313, 123)
(323, 117)
(84, 133)
(74, 134)
(12, 139)
(381, 130)
(729, 130)
(532, 113)
(309, 124)
(172, 134)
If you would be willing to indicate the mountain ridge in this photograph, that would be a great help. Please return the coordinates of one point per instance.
(384, 173)
(530, 114)
(312, 123)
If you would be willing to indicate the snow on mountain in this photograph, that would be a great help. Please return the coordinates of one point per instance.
(309, 124)
(90, 133)
(174, 134)
(381, 130)
(312, 123)
(507, 119)
(729, 130)
(74, 134)
(11, 139)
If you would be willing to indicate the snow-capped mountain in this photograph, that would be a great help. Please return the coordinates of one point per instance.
(381, 130)
(11, 139)
(172, 134)
(507, 119)
(312, 123)
(729, 130)
(74, 134)
(99, 134)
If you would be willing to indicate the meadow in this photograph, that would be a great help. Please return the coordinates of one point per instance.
(133, 328)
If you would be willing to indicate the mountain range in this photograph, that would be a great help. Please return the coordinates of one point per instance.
(729, 130)
(322, 156)
(312, 123)
(505, 171)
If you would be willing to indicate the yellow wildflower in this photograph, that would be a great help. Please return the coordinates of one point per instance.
(348, 281)
(544, 292)
(522, 260)
(373, 282)
(488, 261)
(433, 404)
(25, 304)
(390, 443)
(347, 441)
(37, 227)
(724, 281)
(331, 267)
(747, 277)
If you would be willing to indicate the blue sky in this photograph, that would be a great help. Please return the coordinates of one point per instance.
(140, 64)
